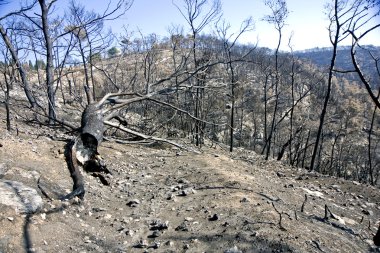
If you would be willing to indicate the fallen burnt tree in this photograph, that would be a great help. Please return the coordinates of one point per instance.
(83, 150)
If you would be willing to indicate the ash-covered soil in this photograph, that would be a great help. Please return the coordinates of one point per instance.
(161, 199)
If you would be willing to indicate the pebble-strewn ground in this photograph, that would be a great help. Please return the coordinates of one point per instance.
(161, 199)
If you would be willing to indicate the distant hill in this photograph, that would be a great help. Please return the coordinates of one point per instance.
(321, 57)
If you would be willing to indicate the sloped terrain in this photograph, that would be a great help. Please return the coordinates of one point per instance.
(161, 199)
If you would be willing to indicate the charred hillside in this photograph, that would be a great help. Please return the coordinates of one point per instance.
(233, 97)
(366, 55)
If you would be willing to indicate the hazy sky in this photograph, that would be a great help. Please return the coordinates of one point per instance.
(307, 20)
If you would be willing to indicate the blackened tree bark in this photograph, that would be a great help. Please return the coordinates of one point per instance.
(372, 181)
(49, 60)
(335, 29)
(84, 149)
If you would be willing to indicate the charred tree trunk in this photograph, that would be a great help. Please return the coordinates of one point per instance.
(83, 150)
(335, 40)
(49, 60)
(376, 238)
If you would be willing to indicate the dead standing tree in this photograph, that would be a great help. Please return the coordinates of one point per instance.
(13, 51)
(277, 18)
(198, 14)
(229, 42)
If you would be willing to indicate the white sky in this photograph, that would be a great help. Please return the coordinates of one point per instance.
(307, 20)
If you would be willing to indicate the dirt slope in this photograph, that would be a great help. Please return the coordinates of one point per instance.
(161, 199)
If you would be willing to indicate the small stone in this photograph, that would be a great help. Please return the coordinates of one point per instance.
(170, 196)
(169, 243)
(86, 239)
(133, 203)
(141, 244)
(107, 216)
(159, 225)
(215, 217)
(155, 245)
(183, 227)
(367, 212)
(245, 200)
(186, 246)
(10, 218)
(155, 234)
(183, 181)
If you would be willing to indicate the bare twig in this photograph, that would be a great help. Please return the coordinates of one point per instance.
(42, 190)
(303, 204)
(327, 212)
(316, 244)
(280, 214)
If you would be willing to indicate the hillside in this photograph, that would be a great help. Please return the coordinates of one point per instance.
(161, 199)
(321, 57)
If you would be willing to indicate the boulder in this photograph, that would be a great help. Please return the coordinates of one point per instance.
(22, 198)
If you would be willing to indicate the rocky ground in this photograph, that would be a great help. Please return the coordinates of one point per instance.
(161, 199)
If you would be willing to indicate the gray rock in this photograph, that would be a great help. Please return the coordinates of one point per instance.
(19, 196)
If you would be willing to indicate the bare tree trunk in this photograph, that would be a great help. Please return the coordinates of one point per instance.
(21, 70)
(370, 144)
(278, 17)
(265, 113)
(232, 116)
(87, 88)
(329, 84)
(49, 61)
(6, 102)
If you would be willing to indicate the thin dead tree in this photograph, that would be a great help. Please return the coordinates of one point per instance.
(335, 37)
(347, 18)
(8, 74)
(277, 18)
(229, 41)
(193, 11)
(8, 42)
